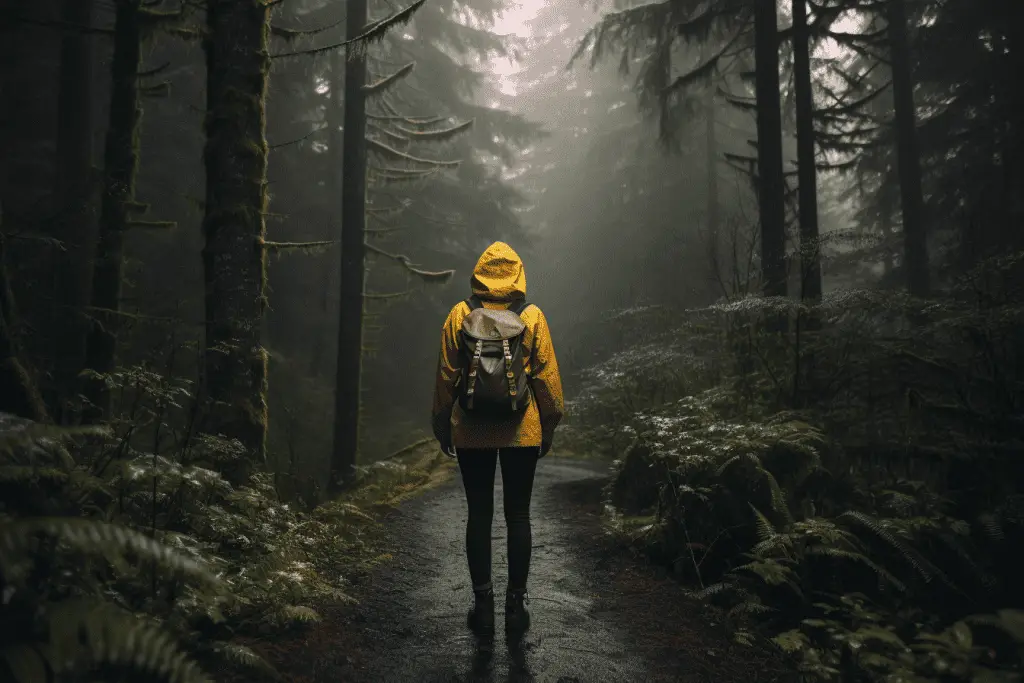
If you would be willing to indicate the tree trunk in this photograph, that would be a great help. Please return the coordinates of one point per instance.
(120, 162)
(885, 209)
(810, 259)
(915, 246)
(714, 217)
(234, 258)
(771, 185)
(74, 192)
(353, 271)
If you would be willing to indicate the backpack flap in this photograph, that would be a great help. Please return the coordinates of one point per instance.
(492, 360)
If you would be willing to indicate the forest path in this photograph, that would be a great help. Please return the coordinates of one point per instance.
(597, 615)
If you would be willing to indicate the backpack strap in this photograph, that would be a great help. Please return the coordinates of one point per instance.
(520, 306)
(474, 302)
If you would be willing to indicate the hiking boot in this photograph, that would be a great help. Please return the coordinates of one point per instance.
(481, 615)
(517, 617)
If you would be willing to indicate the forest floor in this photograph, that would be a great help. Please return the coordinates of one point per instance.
(598, 615)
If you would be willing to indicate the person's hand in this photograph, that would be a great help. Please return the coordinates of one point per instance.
(544, 448)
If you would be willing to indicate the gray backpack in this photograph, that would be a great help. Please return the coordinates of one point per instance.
(494, 381)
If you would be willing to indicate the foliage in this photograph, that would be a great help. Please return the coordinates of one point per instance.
(850, 483)
(124, 547)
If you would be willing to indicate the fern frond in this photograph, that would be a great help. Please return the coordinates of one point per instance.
(18, 435)
(727, 464)
(298, 614)
(860, 558)
(791, 641)
(84, 633)
(772, 573)
(115, 543)
(765, 530)
(26, 663)
(915, 559)
(779, 502)
(713, 589)
(243, 657)
(750, 607)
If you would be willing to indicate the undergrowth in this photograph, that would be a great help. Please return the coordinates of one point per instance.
(850, 485)
(127, 556)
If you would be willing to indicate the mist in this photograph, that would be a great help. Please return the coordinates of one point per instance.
(777, 246)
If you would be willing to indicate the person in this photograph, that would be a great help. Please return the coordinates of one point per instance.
(517, 438)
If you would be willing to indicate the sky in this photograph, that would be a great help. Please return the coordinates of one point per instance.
(513, 22)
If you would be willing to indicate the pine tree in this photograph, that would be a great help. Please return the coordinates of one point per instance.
(120, 164)
(810, 259)
(915, 249)
(353, 268)
(771, 185)
(75, 178)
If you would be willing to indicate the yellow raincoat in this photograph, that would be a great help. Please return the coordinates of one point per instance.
(498, 279)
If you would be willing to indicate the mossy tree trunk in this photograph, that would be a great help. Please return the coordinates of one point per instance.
(120, 165)
(353, 270)
(771, 185)
(234, 386)
(915, 246)
(810, 261)
(76, 227)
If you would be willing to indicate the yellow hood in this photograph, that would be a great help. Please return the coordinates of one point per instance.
(499, 274)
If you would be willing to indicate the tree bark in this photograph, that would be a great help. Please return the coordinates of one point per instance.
(714, 217)
(76, 226)
(234, 257)
(915, 246)
(120, 163)
(807, 174)
(771, 186)
(353, 270)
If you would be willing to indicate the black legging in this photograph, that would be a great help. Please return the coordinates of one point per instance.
(518, 466)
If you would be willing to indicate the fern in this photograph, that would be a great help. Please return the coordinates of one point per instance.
(860, 558)
(750, 607)
(765, 530)
(915, 559)
(21, 439)
(773, 573)
(298, 614)
(713, 590)
(84, 634)
(243, 657)
(115, 543)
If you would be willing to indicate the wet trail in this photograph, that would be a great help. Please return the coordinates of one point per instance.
(597, 616)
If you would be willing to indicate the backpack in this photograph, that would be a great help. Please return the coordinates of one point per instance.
(494, 381)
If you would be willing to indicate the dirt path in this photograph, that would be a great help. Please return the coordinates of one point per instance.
(597, 616)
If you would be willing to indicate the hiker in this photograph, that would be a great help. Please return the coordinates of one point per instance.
(498, 397)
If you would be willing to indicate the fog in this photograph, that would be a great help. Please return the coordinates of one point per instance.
(778, 246)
